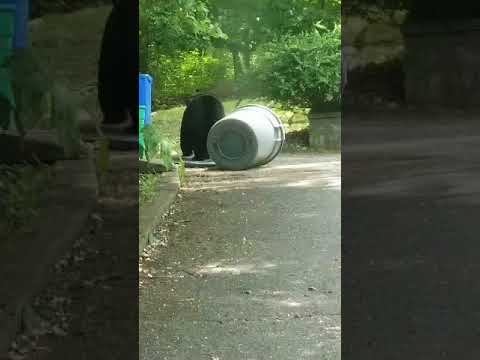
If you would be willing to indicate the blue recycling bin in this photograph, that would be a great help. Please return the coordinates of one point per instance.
(21, 9)
(145, 96)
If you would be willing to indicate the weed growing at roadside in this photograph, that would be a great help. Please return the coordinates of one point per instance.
(147, 186)
(41, 102)
(21, 190)
(157, 147)
(181, 172)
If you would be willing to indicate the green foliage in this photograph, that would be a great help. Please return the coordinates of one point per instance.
(252, 22)
(179, 76)
(147, 184)
(168, 123)
(157, 147)
(177, 24)
(301, 70)
(170, 26)
(21, 189)
(41, 102)
(289, 49)
(364, 7)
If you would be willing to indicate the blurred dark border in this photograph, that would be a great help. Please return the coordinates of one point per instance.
(410, 169)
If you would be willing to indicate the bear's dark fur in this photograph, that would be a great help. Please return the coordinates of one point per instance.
(118, 65)
(202, 112)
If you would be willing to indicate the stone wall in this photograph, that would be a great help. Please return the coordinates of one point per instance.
(375, 38)
(373, 48)
(430, 61)
(442, 64)
(325, 131)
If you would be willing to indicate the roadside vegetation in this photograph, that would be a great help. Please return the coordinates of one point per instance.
(22, 188)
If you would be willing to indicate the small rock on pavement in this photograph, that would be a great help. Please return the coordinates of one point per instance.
(85, 121)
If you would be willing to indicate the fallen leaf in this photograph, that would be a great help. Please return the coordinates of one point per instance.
(15, 356)
(59, 331)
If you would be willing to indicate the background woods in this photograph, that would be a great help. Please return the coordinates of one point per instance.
(223, 45)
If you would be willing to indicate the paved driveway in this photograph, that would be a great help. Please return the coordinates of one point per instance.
(252, 267)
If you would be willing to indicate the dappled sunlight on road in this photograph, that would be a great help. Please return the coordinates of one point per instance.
(454, 185)
(310, 172)
(284, 299)
(301, 183)
(314, 165)
(234, 269)
(290, 303)
(326, 182)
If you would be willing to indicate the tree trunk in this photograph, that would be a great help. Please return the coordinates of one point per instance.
(237, 64)
(247, 59)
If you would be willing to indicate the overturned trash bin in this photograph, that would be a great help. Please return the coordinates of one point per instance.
(250, 136)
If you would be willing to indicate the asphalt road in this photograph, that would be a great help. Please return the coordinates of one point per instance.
(410, 205)
(252, 266)
(90, 307)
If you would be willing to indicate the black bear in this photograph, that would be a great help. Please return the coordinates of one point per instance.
(202, 112)
(118, 66)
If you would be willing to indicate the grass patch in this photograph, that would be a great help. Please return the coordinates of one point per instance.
(168, 123)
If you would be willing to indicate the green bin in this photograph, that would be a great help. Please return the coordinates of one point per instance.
(142, 113)
(7, 22)
(7, 101)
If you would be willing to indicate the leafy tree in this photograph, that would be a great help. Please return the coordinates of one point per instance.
(171, 26)
(302, 70)
(176, 34)
(186, 72)
(250, 23)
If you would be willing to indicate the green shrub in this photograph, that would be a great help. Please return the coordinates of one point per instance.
(21, 191)
(41, 102)
(157, 147)
(179, 76)
(302, 70)
(147, 184)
